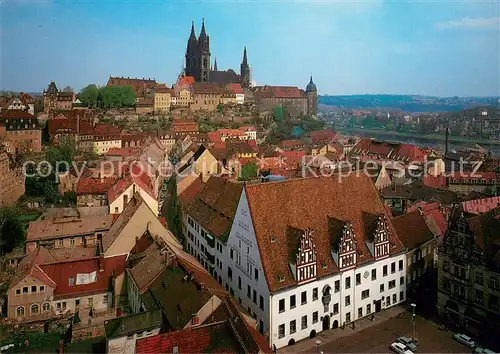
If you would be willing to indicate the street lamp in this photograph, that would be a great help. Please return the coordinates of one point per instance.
(318, 343)
(413, 305)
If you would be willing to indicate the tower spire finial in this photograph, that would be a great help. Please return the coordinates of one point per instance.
(192, 36)
(215, 64)
(203, 32)
(245, 61)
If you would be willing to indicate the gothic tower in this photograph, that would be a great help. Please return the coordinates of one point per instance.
(203, 55)
(312, 98)
(245, 71)
(191, 53)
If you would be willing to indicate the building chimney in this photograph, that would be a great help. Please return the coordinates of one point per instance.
(196, 320)
(101, 263)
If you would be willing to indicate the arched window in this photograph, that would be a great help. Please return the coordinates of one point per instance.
(46, 307)
(35, 309)
(20, 311)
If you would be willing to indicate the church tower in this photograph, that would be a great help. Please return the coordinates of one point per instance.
(203, 55)
(245, 71)
(312, 98)
(191, 53)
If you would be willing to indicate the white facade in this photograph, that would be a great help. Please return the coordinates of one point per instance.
(240, 98)
(118, 205)
(82, 303)
(102, 146)
(126, 344)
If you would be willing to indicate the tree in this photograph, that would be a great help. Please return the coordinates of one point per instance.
(88, 96)
(11, 229)
(248, 172)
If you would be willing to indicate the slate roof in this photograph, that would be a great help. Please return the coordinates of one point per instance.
(215, 206)
(313, 203)
(125, 325)
(412, 229)
(224, 77)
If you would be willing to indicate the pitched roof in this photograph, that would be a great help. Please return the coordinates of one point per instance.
(322, 135)
(94, 185)
(16, 114)
(412, 229)
(485, 228)
(435, 181)
(123, 152)
(279, 92)
(224, 77)
(433, 214)
(214, 207)
(71, 226)
(482, 205)
(190, 192)
(125, 325)
(235, 88)
(138, 85)
(290, 144)
(393, 150)
(313, 203)
(62, 272)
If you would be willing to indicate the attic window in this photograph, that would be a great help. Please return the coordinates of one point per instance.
(273, 239)
(323, 265)
(281, 278)
(71, 281)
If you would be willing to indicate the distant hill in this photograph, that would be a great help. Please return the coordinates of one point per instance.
(407, 103)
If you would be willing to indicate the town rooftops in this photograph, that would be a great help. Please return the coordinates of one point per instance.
(279, 92)
(16, 114)
(321, 204)
(325, 135)
(66, 227)
(215, 206)
(479, 206)
(485, 228)
(94, 185)
(412, 229)
(125, 325)
(235, 88)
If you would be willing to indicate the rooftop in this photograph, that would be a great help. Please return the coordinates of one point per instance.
(412, 229)
(125, 325)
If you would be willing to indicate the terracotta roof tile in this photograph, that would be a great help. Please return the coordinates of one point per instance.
(479, 206)
(235, 88)
(94, 185)
(279, 92)
(191, 192)
(16, 114)
(313, 203)
(412, 229)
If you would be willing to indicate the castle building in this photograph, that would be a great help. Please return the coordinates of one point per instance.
(198, 62)
(55, 100)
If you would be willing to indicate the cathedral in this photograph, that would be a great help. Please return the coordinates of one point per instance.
(198, 62)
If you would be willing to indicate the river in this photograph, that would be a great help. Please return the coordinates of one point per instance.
(435, 144)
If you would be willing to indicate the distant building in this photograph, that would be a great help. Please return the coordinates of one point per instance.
(143, 88)
(162, 99)
(23, 103)
(55, 100)
(20, 132)
(11, 180)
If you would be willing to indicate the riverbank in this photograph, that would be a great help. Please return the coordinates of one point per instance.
(430, 137)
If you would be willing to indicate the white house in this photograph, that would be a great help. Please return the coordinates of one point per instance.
(302, 255)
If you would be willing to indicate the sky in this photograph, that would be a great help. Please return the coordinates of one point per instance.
(443, 48)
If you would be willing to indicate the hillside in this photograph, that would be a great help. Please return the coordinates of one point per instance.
(407, 103)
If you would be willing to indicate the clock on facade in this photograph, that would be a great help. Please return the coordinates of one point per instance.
(365, 274)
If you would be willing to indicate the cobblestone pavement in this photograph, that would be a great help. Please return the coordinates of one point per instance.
(377, 338)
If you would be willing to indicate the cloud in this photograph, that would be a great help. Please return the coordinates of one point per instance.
(471, 23)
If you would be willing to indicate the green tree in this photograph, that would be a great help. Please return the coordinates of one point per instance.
(248, 172)
(11, 229)
(88, 95)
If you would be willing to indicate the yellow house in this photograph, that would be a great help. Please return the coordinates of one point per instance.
(183, 98)
(322, 149)
(162, 100)
(203, 163)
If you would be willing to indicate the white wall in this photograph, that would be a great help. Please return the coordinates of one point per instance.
(118, 202)
(126, 344)
(99, 302)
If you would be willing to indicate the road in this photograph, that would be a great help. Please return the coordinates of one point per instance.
(376, 339)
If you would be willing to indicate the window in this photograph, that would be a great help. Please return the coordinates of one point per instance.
(348, 317)
(35, 309)
(230, 273)
(293, 326)
(77, 302)
(401, 296)
(303, 298)
(18, 291)
(256, 271)
(348, 282)
(72, 242)
(315, 316)
(90, 301)
(175, 350)
(392, 284)
(61, 243)
(20, 311)
(281, 330)
(46, 307)
(381, 288)
(105, 299)
(249, 291)
(336, 308)
(360, 312)
(337, 286)
(393, 267)
(254, 297)
(365, 294)
(25, 289)
(282, 305)
(368, 309)
(261, 302)
(388, 300)
(384, 271)
(304, 322)
(401, 264)
(401, 280)
(394, 298)
(42, 288)
(374, 274)
(315, 294)
(347, 300)
(292, 301)
(33, 288)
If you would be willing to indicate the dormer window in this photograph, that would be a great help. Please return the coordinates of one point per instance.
(304, 263)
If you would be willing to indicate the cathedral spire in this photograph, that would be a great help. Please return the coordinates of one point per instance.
(215, 64)
(245, 62)
(193, 34)
(203, 33)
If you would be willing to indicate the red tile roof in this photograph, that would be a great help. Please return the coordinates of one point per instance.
(314, 203)
(190, 192)
(15, 114)
(94, 185)
(123, 152)
(432, 211)
(279, 92)
(479, 206)
(235, 88)
(134, 137)
(291, 144)
(395, 151)
(186, 80)
(138, 85)
(435, 181)
(135, 174)
(322, 135)
(412, 229)
(61, 272)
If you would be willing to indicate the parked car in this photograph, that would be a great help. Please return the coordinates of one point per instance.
(407, 342)
(464, 339)
(400, 348)
(483, 350)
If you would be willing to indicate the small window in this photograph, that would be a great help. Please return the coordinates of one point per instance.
(34, 288)
(281, 330)
(18, 291)
(292, 301)
(175, 350)
(303, 298)
(42, 288)
(282, 305)
(374, 274)
(315, 294)
(46, 307)
(315, 316)
(25, 289)
(347, 300)
(384, 271)
(401, 265)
